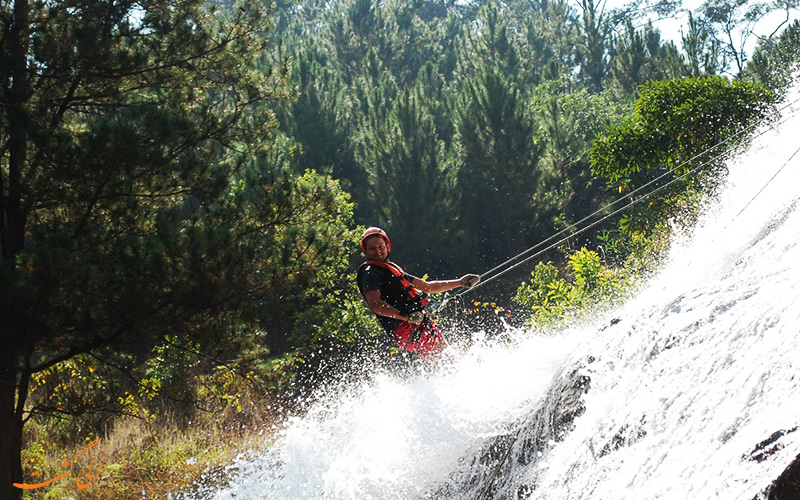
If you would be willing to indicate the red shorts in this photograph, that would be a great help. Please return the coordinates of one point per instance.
(427, 337)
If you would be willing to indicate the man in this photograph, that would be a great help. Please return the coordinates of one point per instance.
(395, 298)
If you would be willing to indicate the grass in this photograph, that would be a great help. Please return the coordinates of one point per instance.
(141, 458)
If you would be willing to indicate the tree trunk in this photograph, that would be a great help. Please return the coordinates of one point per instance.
(13, 234)
(11, 425)
(19, 93)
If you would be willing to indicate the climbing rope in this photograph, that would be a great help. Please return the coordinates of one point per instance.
(768, 183)
(504, 267)
(487, 486)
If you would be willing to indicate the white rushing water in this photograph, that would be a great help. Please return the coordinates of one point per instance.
(702, 367)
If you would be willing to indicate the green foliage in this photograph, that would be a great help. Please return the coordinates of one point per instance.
(641, 56)
(551, 35)
(333, 312)
(497, 172)
(76, 385)
(547, 295)
(553, 297)
(317, 119)
(569, 120)
(335, 325)
(489, 43)
(594, 47)
(673, 122)
(147, 195)
(131, 142)
(678, 127)
(774, 63)
(395, 37)
(637, 253)
(412, 183)
(703, 52)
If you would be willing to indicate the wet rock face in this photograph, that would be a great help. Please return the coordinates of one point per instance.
(787, 485)
(555, 419)
(767, 447)
(488, 475)
(625, 436)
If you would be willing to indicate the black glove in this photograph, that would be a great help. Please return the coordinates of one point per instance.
(416, 317)
(470, 280)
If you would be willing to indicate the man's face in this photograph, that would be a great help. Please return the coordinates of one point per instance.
(375, 248)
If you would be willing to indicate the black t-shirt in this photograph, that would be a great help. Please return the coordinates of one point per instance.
(372, 277)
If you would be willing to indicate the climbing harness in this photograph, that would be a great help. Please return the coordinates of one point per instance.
(417, 301)
(407, 300)
(415, 335)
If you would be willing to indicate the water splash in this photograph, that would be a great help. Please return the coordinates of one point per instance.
(396, 437)
(693, 393)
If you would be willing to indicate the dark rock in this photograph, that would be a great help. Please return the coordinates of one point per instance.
(787, 486)
(487, 475)
(769, 446)
(625, 436)
(524, 491)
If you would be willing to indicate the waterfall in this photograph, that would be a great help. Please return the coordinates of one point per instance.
(690, 390)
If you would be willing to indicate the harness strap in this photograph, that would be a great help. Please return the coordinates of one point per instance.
(405, 279)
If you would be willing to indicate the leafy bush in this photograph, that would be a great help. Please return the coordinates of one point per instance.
(553, 296)
(678, 127)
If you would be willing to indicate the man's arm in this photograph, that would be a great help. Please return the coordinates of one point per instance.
(435, 286)
(377, 305)
(468, 280)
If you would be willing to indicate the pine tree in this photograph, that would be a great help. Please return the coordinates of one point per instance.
(320, 119)
(551, 37)
(702, 50)
(144, 190)
(411, 184)
(488, 43)
(642, 57)
(497, 170)
(594, 46)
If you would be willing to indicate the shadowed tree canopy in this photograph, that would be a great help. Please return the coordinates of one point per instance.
(144, 190)
(497, 174)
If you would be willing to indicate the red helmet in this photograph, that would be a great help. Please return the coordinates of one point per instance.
(371, 231)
